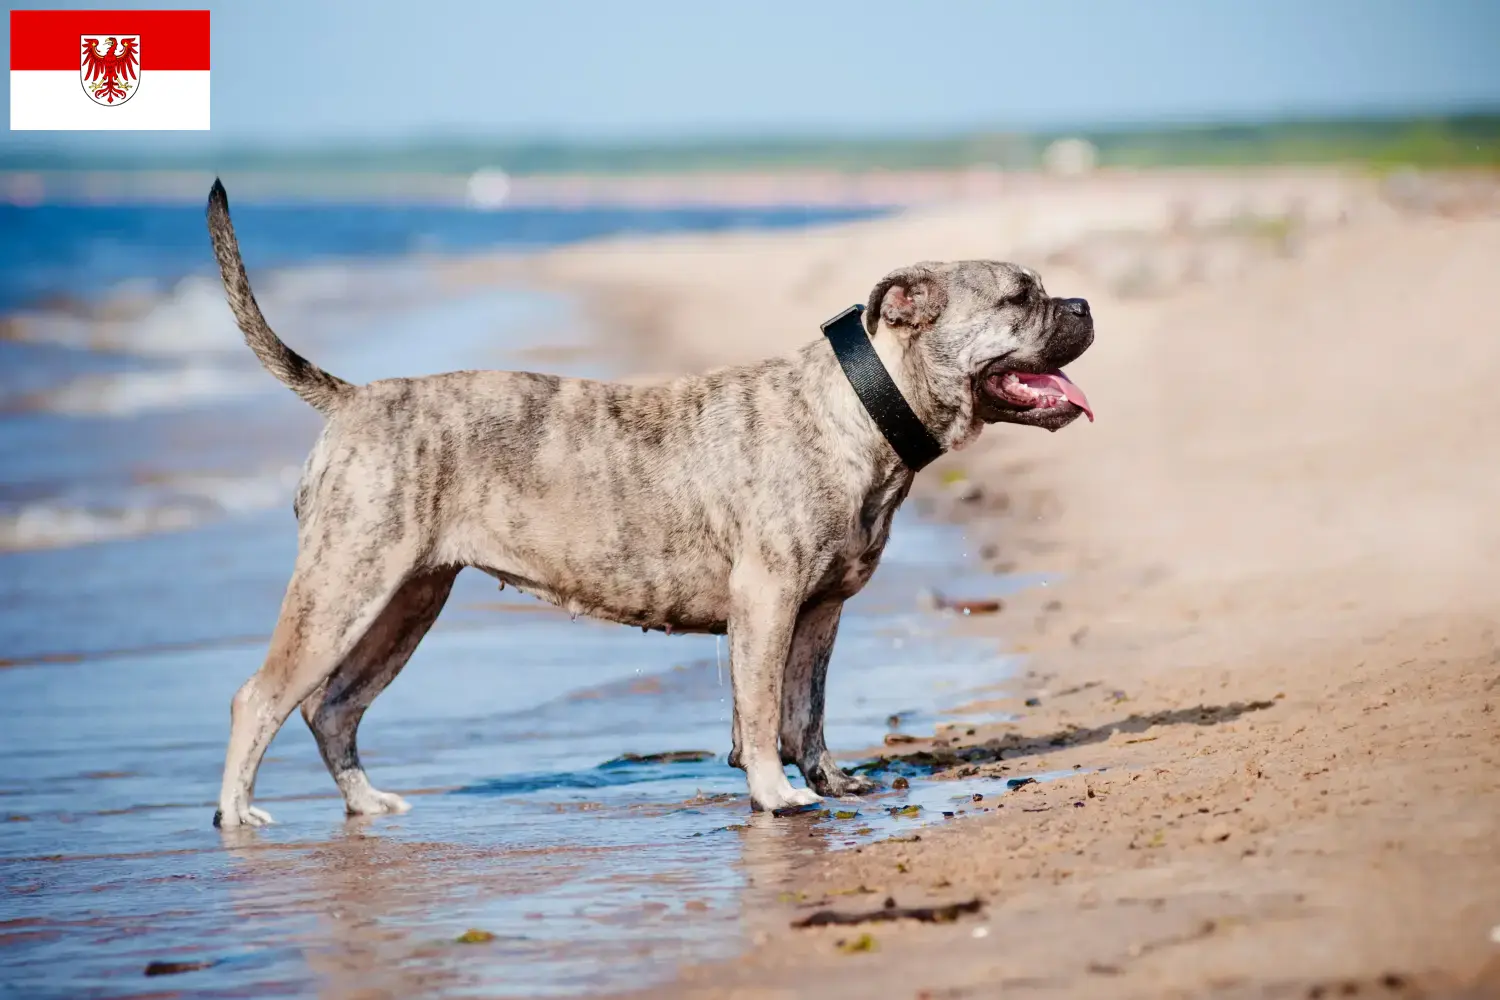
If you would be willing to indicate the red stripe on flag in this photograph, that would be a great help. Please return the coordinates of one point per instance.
(50, 39)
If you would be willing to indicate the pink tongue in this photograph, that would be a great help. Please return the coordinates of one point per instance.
(1058, 382)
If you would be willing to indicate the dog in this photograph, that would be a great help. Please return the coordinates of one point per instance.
(751, 500)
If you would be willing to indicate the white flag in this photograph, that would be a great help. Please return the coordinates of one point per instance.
(80, 70)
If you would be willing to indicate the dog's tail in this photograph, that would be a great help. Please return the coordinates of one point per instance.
(322, 390)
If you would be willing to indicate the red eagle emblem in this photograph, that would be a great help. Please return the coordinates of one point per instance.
(111, 74)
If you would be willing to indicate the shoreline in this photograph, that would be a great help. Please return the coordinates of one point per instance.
(1271, 664)
(484, 190)
(1263, 686)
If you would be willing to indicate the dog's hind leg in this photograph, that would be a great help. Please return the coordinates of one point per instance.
(334, 710)
(802, 703)
(338, 589)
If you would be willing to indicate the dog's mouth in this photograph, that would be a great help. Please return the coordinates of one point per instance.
(1035, 391)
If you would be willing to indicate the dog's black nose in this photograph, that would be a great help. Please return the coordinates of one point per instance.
(1078, 307)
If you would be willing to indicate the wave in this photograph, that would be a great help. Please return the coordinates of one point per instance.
(191, 320)
(168, 503)
(128, 394)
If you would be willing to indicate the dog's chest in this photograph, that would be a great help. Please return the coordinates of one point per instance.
(859, 553)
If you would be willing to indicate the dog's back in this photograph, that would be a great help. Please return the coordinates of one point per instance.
(625, 502)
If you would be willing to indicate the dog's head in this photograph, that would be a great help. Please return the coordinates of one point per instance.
(985, 341)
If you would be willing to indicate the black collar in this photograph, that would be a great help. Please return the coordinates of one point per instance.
(914, 443)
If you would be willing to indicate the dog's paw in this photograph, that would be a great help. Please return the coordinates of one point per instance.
(825, 775)
(242, 815)
(841, 783)
(784, 800)
(376, 803)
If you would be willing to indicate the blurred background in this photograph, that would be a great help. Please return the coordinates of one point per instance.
(403, 180)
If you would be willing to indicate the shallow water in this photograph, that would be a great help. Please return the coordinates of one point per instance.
(507, 731)
(503, 732)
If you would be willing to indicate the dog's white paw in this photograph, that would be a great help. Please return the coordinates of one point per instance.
(803, 797)
(374, 802)
(243, 814)
(784, 798)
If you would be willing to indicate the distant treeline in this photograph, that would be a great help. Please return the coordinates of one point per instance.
(1468, 140)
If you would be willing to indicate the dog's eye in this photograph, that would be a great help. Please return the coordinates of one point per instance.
(1014, 299)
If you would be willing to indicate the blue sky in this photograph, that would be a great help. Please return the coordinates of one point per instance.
(308, 71)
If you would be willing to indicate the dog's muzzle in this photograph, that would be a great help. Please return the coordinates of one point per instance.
(1035, 390)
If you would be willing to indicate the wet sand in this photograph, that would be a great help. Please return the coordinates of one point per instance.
(1270, 660)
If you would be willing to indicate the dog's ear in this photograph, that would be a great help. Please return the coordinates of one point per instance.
(909, 299)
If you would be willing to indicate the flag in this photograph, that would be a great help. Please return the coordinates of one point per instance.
(79, 70)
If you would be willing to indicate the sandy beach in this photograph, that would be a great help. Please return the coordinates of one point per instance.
(1198, 697)
(1268, 654)
(1231, 732)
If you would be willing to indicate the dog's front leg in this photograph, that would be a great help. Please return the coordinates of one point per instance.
(802, 703)
(763, 613)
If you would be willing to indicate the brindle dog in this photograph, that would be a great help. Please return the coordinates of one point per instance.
(750, 500)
